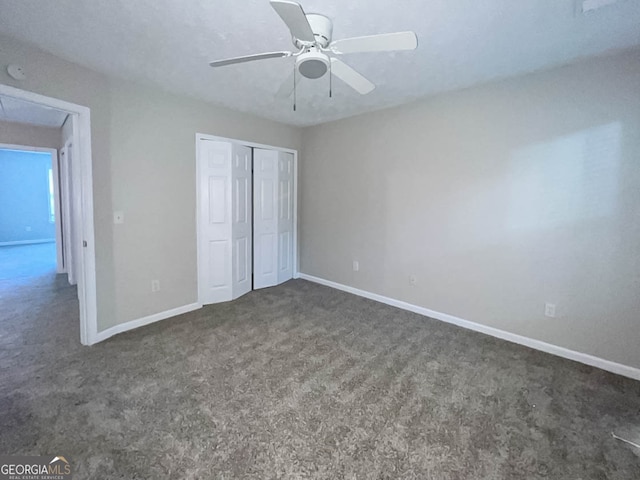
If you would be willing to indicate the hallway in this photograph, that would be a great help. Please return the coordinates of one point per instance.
(38, 308)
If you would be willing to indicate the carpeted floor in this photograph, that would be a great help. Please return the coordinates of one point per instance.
(299, 381)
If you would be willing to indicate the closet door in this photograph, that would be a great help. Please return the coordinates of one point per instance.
(215, 241)
(273, 217)
(245, 219)
(241, 221)
(265, 218)
(285, 217)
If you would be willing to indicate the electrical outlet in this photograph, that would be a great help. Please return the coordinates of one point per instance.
(356, 265)
(155, 286)
(413, 279)
(550, 310)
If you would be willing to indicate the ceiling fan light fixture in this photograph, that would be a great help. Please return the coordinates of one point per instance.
(312, 64)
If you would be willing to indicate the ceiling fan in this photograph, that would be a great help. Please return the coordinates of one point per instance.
(311, 35)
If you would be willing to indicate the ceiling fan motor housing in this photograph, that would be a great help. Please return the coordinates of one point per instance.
(322, 28)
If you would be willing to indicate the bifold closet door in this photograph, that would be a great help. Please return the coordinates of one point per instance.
(224, 221)
(265, 220)
(272, 217)
(285, 217)
(241, 221)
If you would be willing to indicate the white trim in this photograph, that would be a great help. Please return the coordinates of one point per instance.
(27, 242)
(81, 117)
(197, 212)
(204, 136)
(69, 208)
(25, 148)
(618, 368)
(141, 322)
(294, 267)
(55, 167)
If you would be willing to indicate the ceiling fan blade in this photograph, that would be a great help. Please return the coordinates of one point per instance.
(385, 42)
(352, 78)
(293, 15)
(249, 58)
(286, 89)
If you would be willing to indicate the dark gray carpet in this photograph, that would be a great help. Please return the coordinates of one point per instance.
(300, 381)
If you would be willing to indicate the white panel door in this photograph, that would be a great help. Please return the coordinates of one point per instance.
(215, 239)
(265, 218)
(241, 221)
(285, 217)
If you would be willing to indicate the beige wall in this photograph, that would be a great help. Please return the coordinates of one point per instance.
(153, 151)
(144, 165)
(498, 199)
(29, 135)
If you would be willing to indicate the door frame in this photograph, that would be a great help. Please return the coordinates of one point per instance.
(83, 198)
(66, 208)
(204, 136)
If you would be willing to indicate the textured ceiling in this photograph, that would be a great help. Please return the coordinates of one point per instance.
(12, 110)
(461, 43)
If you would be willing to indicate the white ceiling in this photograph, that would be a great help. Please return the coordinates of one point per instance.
(461, 43)
(19, 111)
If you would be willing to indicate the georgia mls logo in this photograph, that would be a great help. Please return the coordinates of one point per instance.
(62, 465)
(34, 468)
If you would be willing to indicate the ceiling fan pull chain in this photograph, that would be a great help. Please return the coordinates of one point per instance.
(294, 88)
(330, 81)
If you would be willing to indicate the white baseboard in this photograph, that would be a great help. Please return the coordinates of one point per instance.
(27, 242)
(585, 358)
(140, 322)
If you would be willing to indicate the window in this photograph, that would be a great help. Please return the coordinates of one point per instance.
(52, 202)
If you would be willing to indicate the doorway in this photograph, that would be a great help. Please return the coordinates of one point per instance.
(29, 218)
(82, 235)
(246, 217)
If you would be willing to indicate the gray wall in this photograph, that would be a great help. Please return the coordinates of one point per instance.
(498, 199)
(143, 164)
(29, 135)
(24, 196)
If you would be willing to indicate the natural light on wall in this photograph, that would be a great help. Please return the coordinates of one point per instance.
(565, 180)
(52, 201)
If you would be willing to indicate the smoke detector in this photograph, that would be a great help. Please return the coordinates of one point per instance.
(16, 72)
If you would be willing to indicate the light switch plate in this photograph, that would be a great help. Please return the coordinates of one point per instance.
(550, 310)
